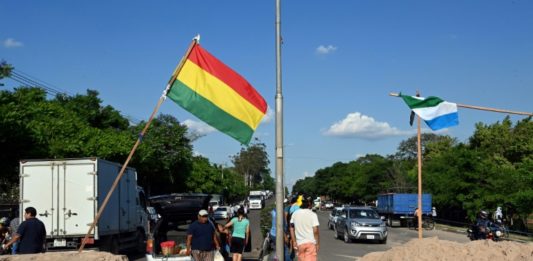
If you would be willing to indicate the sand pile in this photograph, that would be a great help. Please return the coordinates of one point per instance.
(435, 249)
(66, 256)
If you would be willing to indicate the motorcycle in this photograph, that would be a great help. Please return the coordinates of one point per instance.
(492, 231)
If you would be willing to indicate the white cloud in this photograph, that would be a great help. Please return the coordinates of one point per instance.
(198, 127)
(12, 43)
(326, 49)
(357, 125)
(268, 116)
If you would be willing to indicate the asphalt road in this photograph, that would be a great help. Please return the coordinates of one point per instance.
(331, 248)
(335, 249)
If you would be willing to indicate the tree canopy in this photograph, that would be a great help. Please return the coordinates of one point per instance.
(494, 167)
(33, 126)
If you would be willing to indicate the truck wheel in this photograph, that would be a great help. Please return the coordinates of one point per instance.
(114, 247)
(141, 241)
(389, 221)
(110, 244)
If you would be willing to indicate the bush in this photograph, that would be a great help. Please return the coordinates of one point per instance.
(266, 219)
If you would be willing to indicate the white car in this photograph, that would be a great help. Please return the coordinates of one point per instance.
(222, 212)
(333, 215)
(328, 205)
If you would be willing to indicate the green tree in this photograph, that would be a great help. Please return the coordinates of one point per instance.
(494, 169)
(408, 149)
(204, 177)
(252, 163)
(34, 127)
(164, 158)
(5, 70)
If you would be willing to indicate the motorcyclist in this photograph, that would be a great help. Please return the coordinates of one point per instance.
(482, 225)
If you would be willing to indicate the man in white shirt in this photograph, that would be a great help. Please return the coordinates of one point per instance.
(304, 232)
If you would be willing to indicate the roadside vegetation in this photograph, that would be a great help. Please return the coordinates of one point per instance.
(494, 167)
(35, 125)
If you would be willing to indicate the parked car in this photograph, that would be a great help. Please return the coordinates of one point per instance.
(329, 205)
(222, 212)
(333, 217)
(360, 223)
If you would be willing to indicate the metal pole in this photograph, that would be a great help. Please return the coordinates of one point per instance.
(279, 141)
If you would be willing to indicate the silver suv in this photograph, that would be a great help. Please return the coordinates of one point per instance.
(360, 223)
(333, 215)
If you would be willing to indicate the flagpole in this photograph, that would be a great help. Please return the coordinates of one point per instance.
(279, 141)
(419, 153)
(139, 139)
(480, 108)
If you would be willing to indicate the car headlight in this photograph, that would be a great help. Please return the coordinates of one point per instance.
(355, 224)
(383, 224)
(498, 233)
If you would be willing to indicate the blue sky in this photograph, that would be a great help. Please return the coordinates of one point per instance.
(340, 59)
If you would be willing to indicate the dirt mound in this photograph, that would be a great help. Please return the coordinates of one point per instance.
(434, 249)
(67, 256)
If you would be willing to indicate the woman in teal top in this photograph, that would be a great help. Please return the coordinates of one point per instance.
(240, 235)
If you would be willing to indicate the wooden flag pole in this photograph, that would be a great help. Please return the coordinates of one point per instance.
(139, 139)
(419, 156)
(480, 108)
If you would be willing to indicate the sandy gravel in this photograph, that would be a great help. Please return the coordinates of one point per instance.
(435, 249)
(67, 256)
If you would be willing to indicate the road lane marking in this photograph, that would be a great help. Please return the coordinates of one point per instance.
(351, 257)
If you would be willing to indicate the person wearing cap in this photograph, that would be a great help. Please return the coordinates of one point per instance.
(201, 238)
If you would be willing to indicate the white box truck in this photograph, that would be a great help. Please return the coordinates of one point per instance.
(256, 199)
(67, 194)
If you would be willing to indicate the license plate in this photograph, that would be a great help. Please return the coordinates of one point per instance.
(369, 236)
(60, 242)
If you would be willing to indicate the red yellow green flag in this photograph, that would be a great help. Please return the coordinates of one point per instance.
(217, 95)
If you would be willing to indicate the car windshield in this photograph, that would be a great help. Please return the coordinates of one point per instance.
(220, 209)
(363, 213)
(255, 197)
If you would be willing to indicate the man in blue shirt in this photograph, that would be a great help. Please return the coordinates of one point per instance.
(31, 233)
(201, 238)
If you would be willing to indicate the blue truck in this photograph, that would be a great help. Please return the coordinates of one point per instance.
(399, 207)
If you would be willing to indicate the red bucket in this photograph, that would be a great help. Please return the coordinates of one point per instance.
(167, 247)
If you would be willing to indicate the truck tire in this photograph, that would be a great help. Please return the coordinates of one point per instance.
(389, 221)
(110, 244)
(141, 241)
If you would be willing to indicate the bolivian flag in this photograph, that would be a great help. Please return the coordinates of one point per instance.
(219, 96)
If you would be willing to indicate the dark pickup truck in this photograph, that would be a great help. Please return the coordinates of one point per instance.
(175, 209)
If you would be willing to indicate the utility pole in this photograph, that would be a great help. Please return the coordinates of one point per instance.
(279, 140)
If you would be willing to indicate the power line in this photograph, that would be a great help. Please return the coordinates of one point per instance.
(41, 82)
(28, 80)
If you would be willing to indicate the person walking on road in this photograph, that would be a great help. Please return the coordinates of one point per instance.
(201, 238)
(240, 235)
(31, 233)
(304, 232)
(416, 214)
